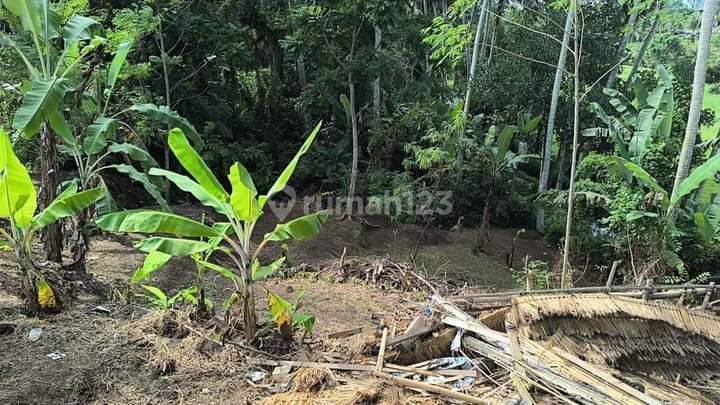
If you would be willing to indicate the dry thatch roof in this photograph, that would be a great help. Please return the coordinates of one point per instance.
(625, 333)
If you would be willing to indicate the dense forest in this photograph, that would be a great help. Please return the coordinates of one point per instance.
(591, 126)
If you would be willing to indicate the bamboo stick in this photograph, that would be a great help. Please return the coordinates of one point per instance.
(519, 378)
(648, 290)
(594, 289)
(613, 270)
(431, 388)
(387, 368)
(620, 291)
(708, 296)
(381, 352)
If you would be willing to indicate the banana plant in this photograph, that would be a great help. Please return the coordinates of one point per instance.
(95, 145)
(499, 160)
(18, 203)
(196, 295)
(703, 212)
(50, 72)
(241, 208)
(98, 142)
(287, 317)
(158, 298)
(639, 122)
(53, 69)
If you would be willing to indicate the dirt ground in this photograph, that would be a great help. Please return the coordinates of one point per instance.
(108, 352)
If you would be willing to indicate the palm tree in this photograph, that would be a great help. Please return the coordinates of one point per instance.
(473, 66)
(545, 170)
(701, 63)
(612, 77)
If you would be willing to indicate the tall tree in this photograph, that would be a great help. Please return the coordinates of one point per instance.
(473, 64)
(353, 120)
(644, 47)
(612, 77)
(566, 277)
(547, 151)
(698, 90)
(376, 82)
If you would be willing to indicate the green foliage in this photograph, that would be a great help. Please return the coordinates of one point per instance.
(641, 122)
(241, 211)
(287, 317)
(18, 202)
(540, 273)
(157, 297)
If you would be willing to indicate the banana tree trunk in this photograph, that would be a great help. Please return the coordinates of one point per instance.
(643, 49)
(547, 151)
(31, 277)
(50, 180)
(701, 63)
(249, 316)
(80, 242)
(612, 77)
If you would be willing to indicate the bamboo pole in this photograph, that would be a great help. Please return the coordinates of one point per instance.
(648, 290)
(519, 377)
(708, 295)
(613, 270)
(595, 289)
(431, 388)
(381, 352)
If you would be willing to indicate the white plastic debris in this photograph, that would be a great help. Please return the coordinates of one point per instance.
(101, 309)
(457, 341)
(256, 376)
(56, 355)
(35, 334)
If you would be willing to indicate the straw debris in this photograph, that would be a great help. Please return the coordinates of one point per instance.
(625, 333)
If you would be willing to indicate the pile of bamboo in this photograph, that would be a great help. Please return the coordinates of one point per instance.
(552, 369)
(583, 349)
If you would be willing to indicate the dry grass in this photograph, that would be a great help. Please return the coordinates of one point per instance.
(312, 380)
(534, 308)
(625, 333)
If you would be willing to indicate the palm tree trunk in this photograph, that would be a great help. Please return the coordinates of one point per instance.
(473, 65)
(561, 168)
(50, 180)
(566, 277)
(376, 83)
(355, 142)
(547, 154)
(166, 80)
(643, 49)
(302, 79)
(701, 62)
(486, 27)
(612, 77)
(483, 236)
(302, 75)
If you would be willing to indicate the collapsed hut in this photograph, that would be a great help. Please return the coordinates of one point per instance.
(654, 338)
